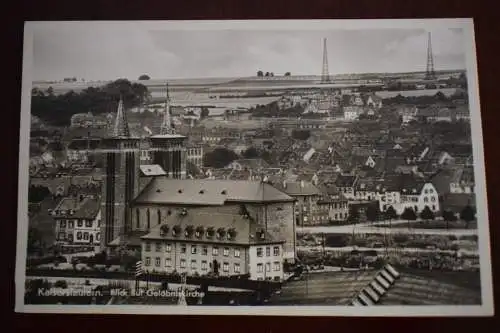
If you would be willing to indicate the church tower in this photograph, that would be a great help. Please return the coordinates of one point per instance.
(168, 148)
(121, 164)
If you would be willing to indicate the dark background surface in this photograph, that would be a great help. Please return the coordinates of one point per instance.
(487, 31)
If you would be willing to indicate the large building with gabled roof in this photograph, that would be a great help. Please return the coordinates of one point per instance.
(267, 208)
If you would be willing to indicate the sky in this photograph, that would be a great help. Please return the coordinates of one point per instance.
(106, 52)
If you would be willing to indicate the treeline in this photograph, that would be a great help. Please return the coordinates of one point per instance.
(425, 99)
(272, 110)
(57, 110)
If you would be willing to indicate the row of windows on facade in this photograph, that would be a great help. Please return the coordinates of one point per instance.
(415, 208)
(215, 250)
(79, 236)
(204, 265)
(71, 224)
(336, 217)
(195, 151)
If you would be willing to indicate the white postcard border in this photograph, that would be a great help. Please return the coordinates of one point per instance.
(486, 309)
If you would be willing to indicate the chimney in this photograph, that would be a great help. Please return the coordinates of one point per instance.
(284, 183)
(302, 184)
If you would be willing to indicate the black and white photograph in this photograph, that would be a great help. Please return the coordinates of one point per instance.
(300, 168)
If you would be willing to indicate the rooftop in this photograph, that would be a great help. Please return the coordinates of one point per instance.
(300, 188)
(210, 228)
(163, 190)
(73, 207)
(152, 170)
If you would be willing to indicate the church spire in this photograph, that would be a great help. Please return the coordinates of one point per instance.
(166, 125)
(121, 125)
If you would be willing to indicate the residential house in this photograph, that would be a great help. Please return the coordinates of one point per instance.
(356, 99)
(306, 196)
(78, 221)
(411, 192)
(373, 101)
(408, 113)
(352, 112)
(332, 208)
(82, 149)
(346, 185)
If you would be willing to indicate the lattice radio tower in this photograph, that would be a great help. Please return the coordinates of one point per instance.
(325, 75)
(430, 74)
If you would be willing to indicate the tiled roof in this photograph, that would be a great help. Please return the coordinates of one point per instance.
(345, 181)
(163, 190)
(300, 188)
(243, 230)
(130, 239)
(407, 184)
(72, 207)
(369, 184)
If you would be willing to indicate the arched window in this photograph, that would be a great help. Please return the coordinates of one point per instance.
(159, 216)
(148, 218)
(137, 219)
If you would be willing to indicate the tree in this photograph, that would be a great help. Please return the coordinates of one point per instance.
(57, 110)
(144, 77)
(288, 74)
(34, 240)
(449, 216)
(251, 153)
(409, 214)
(219, 158)
(260, 74)
(353, 214)
(427, 214)
(468, 215)
(372, 213)
(390, 213)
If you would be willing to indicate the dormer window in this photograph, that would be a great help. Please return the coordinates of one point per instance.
(158, 190)
(183, 212)
(221, 232)
(164, 230)
(201, 191)
(176, 230)
(261, 235)
(231, 234)
(179, 191)
(189, 231)
(210, 232)
(199, 231)
(224, 192)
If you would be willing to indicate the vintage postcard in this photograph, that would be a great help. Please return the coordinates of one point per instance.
(300, 168)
